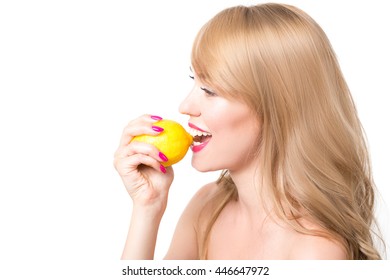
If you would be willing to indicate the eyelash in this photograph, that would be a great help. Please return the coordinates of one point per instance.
(208, 92)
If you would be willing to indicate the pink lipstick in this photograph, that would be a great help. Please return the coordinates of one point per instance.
(201, 137)
(195, 127)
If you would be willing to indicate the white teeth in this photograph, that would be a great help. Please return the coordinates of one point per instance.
(195, 132)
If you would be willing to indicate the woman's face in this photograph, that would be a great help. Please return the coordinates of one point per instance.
(226, 131)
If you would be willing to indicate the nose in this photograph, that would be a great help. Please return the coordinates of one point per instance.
(189, 106)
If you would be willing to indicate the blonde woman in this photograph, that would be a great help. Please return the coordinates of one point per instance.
(278, 119)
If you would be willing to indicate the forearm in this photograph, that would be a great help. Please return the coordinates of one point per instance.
(141, 239)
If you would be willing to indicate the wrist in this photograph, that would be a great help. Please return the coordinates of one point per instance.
(143, 230)
(151, 213)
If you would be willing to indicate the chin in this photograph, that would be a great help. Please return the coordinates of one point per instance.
(204, 167)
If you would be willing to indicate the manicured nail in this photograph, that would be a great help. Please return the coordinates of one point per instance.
(162, 156)
(157, 118)
(162, 168)
(157, 128)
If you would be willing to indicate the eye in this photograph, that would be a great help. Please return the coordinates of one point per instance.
(208, 92)
(192, 77)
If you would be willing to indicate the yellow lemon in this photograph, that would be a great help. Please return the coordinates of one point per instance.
(173, 142)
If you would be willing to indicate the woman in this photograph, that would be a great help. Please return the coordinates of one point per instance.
(281, 123)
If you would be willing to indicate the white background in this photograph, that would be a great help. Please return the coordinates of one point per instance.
(73, 73)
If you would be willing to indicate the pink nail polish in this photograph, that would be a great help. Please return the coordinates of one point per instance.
(157, 118)
(162, 168)
(162, 156)
(157, 128)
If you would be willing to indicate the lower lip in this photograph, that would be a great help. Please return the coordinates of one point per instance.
(200, 147)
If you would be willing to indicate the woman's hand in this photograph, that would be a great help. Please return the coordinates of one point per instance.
(139, 164)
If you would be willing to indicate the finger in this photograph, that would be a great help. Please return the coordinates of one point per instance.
(136, 147)
(140, 126)
(127, 165)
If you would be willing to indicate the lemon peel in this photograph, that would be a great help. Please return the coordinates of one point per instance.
(173, 142)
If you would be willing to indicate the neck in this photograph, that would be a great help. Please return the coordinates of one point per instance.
(250, 190)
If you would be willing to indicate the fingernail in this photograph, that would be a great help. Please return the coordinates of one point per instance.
(162, 156)
(162, 168)
(157, 118)
(157, 128)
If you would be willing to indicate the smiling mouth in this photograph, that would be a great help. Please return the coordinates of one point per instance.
(199, 137)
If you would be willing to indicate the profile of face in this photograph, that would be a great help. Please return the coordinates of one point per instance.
(228, 127)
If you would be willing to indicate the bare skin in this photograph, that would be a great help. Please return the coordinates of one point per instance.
(237, 234)
(243, 230)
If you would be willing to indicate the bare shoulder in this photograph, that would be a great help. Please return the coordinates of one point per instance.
(202, 199)
(184, 242)
(317, 248)
(205, 193)
(312, 247)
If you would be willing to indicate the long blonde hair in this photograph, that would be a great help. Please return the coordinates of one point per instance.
(312, 147)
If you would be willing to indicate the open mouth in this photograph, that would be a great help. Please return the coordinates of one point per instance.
(200, 137)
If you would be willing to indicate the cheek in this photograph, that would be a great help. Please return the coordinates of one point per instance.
(235, 133)
(239, 142)
(234, 121)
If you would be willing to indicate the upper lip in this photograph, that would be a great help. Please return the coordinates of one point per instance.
(197, 132)
(197, 128)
